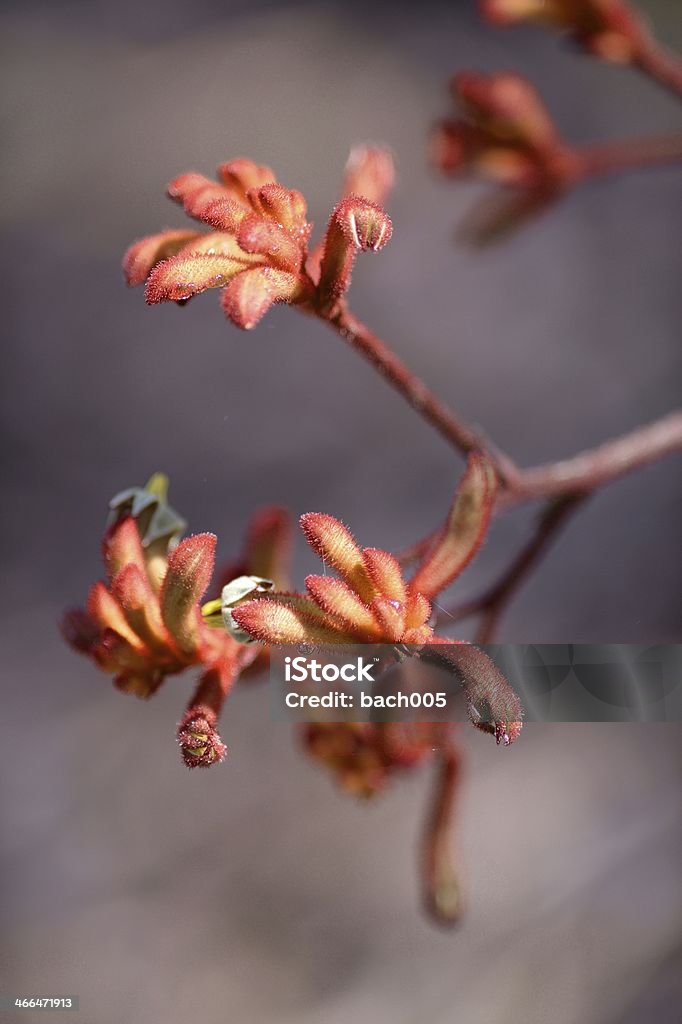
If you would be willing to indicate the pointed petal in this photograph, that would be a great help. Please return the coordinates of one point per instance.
(196, 193)
(463, 533)
(284, 205)
(250, 295)
(216, 243)
(337, 548)
(221, 213)
(104, 609)
(266, 238)
(386, 574)
(121, 546)
(273, 621)
(181, 277)
(340, 602)
(242, 174)
(190, 567)
(417, 612)
(391, 615)
(143, 255)
(140, 606)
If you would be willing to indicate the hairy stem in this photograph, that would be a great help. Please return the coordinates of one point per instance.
(440, 885)
(492, 603)
(598, 466)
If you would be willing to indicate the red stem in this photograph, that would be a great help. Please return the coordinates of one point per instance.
(591, 469)
(616, 157)
(440, 886)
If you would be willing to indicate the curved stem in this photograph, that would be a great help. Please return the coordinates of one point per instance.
(580, 474)
(440, 885)
(616, 157)
(492, 603)
(591, 469)
(458, 433)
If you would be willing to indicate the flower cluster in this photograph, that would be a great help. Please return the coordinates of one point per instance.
(256, 251)
(503, 133)
(606, 28)
(145, 622)
(372, 602)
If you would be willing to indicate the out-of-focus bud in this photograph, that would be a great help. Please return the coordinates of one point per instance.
(609, 29)
(504, 134)
(370, 173)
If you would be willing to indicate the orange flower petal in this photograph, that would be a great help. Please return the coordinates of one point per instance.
(391, 615)
(195, 192)
(181, 277)
(242, 174)
(216, 243)
(385, 572)
(250, 295)
(273, 621)
(337, 548)
(143, 255)
(190, 567)
(141, 607)
(284, 205)
(122, 546)
(337, 599)
(105, 610)
(266, 238)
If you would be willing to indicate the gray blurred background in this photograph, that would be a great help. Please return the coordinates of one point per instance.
(256, 892)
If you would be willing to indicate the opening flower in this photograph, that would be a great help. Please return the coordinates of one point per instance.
(145, 622)
(256, 251)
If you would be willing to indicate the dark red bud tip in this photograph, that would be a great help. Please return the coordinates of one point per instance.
(198, 737)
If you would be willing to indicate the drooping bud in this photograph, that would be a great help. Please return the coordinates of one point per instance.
(492, 703)
(370, 173)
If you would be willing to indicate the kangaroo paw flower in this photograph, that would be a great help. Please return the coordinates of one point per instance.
(256, 252)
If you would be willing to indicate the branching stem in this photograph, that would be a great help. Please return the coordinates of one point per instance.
(493, 602)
